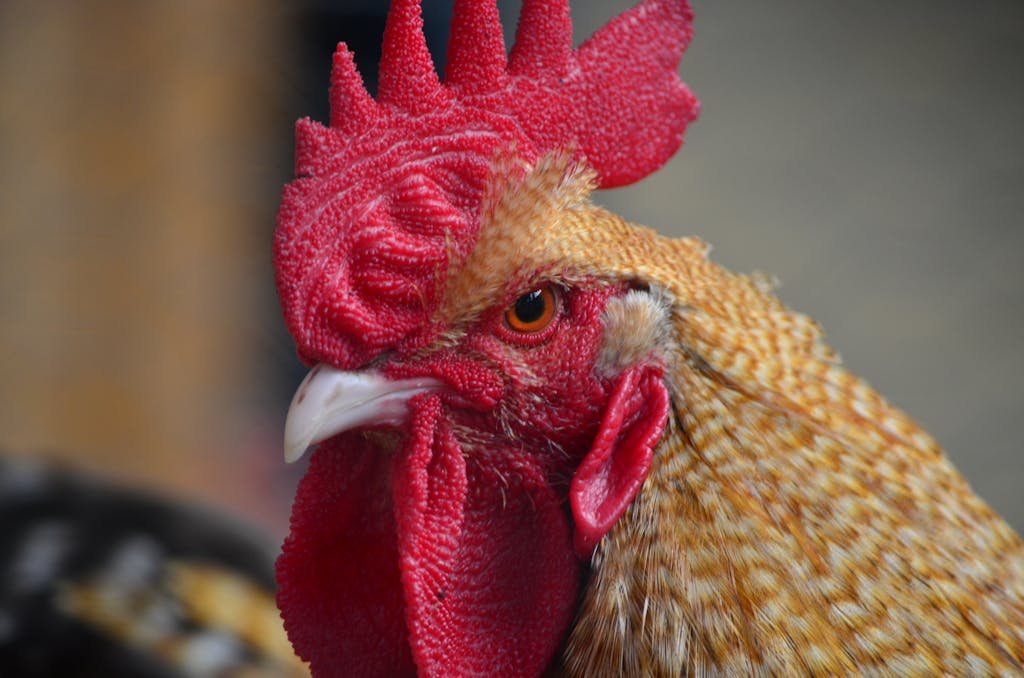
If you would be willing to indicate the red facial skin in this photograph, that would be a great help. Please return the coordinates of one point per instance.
(549, 396)
(446, 548)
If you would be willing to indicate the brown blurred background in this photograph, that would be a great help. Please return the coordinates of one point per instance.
(870, 154)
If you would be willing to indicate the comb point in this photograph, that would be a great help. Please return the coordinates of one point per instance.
(407, 76)
(352, 107)
(476, 51)
(543, 39)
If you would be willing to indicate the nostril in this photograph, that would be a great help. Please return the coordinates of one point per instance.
(471, 383)
(380, 361)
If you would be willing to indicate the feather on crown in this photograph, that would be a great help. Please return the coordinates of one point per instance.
(390, 192)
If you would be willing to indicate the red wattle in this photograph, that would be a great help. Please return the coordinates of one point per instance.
(435, 559)
(339, 589)
(485, 555)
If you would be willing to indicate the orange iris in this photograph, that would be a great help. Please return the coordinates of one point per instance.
(533, 311)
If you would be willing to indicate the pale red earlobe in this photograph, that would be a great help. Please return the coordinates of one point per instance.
(612, 473)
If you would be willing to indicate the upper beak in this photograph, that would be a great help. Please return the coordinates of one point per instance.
(330, 401)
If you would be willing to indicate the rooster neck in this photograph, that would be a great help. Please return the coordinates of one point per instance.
(812, 559)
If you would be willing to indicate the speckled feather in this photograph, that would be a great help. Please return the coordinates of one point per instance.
(793, 521)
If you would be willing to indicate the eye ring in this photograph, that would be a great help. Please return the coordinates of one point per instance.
(534, 311)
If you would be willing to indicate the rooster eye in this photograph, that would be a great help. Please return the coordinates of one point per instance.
(533, 311)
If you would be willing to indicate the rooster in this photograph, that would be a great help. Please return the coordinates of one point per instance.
(548, 440)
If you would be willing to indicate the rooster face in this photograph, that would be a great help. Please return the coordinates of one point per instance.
(459, 489)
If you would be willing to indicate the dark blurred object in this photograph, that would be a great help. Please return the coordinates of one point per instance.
(99, 581)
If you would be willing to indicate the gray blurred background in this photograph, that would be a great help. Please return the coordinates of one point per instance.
(869, 154)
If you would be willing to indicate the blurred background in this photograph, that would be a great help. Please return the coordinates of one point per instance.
(869, 154)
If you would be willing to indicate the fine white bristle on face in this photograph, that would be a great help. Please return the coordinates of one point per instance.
(637, 325)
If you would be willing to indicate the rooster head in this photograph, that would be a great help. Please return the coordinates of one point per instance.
(487, 385)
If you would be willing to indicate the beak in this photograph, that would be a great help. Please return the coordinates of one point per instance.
(330, 401)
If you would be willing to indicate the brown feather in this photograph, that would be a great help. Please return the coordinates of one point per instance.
(793, 521)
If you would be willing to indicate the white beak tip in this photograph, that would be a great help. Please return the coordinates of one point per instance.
(293, 452)
(330, 401)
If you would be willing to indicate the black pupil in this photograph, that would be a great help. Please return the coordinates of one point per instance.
(530, 307)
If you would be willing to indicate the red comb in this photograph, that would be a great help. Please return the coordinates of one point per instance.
(391, 190)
